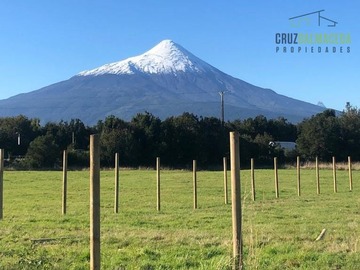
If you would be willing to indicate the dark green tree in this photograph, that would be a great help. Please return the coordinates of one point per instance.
(60, 132)
(251, 126)
(213, 142)
(180, 138)
(147, 136)
(281, 130)
(320, 136)
(80, 134)
(43, 152)
(350, 132)
(117, 136)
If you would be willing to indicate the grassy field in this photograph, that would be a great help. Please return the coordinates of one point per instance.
(277, 233)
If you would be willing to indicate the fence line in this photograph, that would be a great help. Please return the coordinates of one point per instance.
(252, 178)
(298, 176)
(277, 181)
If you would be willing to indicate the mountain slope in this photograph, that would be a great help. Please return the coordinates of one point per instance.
(166, 80)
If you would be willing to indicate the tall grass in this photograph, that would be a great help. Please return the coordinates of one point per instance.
(326, 165)
(277, 233)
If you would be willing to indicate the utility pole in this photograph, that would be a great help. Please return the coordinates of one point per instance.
(18, 138)
(222, 93)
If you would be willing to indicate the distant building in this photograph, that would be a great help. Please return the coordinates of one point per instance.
(283, 145)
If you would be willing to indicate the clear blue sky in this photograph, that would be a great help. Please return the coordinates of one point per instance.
(43, 42)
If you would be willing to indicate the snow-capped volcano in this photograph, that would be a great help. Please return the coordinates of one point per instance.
(166, 57)
(166, 81)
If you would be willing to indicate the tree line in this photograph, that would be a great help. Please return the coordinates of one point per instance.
(179, 139)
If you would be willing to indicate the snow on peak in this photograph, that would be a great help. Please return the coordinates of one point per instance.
(165, 57)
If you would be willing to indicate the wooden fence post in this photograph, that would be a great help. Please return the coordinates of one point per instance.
(252, 179)
(334, 174)
(276, 178)
(350, 174)
(195, 184)
(1, 182)
(158, 183)
(225, 180)
(236, 200)
(116, 202)
(64, 197)
(94, 202)
(317, 175)
(298, 175)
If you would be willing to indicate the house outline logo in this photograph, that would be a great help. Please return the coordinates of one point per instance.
(305, 17)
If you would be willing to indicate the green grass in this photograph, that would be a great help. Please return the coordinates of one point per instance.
(277, 233)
